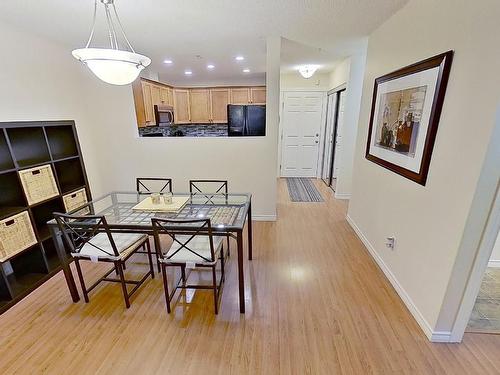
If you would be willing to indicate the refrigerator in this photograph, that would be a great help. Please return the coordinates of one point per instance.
(246, 120)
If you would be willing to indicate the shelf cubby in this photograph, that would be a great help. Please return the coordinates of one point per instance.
(33, 144)
(6, 162)
(12, 194)
(42, 213)
(28, 145)
(62, 141)
(70, 175)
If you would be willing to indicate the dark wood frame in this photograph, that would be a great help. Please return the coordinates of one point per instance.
(40, 261)
(443, 61)
(139, 182)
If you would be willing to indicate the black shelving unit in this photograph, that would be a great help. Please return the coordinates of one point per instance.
(25, 145)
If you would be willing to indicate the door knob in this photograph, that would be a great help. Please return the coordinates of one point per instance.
(316, 141)
(317, 135)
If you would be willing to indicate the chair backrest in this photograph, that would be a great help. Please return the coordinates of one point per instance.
(148, 185)
(182, 232)
(208, 188)
(77, 231)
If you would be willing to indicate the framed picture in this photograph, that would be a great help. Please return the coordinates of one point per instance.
(405, 114)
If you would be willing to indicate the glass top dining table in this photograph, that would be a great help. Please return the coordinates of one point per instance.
(228, 214)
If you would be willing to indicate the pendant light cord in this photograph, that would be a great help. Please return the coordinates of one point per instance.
(111, 27)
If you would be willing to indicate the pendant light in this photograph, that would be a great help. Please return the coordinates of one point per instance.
(112, 65)
(307, 71)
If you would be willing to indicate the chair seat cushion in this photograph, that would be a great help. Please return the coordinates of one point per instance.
(200, 244)
(125, 244)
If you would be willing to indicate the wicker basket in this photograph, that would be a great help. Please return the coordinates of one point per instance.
(16, 234)
(38, 183)
(75, 200)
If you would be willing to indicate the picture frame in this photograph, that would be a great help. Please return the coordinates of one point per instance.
(404, 118)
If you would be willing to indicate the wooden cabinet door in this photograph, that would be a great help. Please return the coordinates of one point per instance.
(219, 99)
(148, 103)
(200, 105)
(170, 97)
(164, 95)
(258, 95)
(156, 94)
(181, 106)
(240, 96)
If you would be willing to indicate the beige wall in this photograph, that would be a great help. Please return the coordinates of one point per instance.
(495, 255)
(290, 81)
(340, 74)
(428, 221)
(42, 81)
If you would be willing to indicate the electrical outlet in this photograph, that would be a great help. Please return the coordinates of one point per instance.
(390, 243)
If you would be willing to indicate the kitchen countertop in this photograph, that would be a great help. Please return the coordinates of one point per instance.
(187, 130)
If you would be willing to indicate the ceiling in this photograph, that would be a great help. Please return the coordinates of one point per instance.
(317, 31)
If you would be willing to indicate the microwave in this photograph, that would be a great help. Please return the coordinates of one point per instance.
(164, 115)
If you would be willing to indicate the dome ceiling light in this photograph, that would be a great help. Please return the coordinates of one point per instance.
(112, 65)
(307, 71)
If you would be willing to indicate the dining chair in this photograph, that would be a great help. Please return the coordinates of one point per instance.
(209, 189)
(193, 245)
(89, 238)
(148, 185)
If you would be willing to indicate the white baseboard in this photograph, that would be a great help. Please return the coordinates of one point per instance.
(263, 217)
(494, 263)
(342, 195)
(434, 336)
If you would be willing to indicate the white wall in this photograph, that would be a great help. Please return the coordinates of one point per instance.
(294, 81)
(340, 74)
(428, 221)
(248, 162)
(42, 81)
(351, 71)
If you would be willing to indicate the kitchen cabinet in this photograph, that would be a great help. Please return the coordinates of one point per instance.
(257, 95)
(219, 99)
(200, 105)
(240, 95)
(148, 104)
(182, 110)
(156, 95)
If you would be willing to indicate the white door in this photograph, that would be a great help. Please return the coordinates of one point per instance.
(338, 140)
(301, 127)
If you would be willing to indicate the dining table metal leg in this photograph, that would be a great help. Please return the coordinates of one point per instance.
(241, 278)
(63, 258)
(249, 228)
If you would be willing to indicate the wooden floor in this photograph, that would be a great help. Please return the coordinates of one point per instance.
(316, 304)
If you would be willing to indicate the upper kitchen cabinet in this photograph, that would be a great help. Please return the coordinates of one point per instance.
(149, 114)
(240, 95)
(258, 95)
(182, 110)
(166, 96)
(147, 94)
(219, 99)
(200, 105)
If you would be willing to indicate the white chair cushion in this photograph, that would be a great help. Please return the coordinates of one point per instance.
(125, 244)
(200, 244)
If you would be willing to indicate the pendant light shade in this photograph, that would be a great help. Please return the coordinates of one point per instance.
(307, 71)
(112, 65)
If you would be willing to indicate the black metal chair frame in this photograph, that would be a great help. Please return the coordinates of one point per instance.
(142, 188)
(79, 230)
(194, 189)
(191, 228)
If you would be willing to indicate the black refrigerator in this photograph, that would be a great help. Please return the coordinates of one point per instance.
(246, 120)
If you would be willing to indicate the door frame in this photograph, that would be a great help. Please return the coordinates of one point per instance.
(321, 131)
(482, 228)
(338, 92)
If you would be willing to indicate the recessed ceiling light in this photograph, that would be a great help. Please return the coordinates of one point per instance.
(168, 61)
(210, 66)
(188, 72)
(246, 70)
(239, 58)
